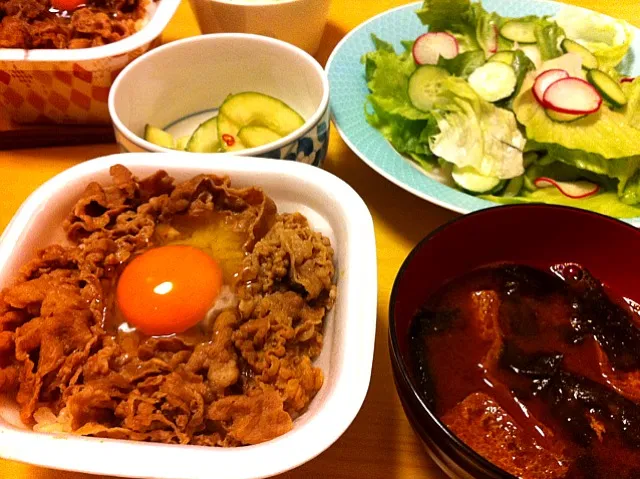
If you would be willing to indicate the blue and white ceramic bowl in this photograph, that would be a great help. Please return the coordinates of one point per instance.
(181, 84)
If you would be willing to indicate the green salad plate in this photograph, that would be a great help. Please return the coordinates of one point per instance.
(348, 93)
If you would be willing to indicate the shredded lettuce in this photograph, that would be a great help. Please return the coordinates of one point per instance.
(476, 133)
(608, 39)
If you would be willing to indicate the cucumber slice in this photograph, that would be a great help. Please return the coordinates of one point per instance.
(519, 31)
(181, 143)
(494, 81)
(158, 136)
(589, 60)
(253, 136)
(425, 87)
(469, 179)
(205, 138)
(514, 187)
(252, 108)
(505, 57)
(563, 117)
(607, 87)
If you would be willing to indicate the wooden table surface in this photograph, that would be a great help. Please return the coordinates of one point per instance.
(380, 443)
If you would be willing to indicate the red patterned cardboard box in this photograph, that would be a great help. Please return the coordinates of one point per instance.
(72, 86)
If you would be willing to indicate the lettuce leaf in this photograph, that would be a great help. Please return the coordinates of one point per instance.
(464, 64)
(606, 133)
(443, 15)
(631, 192)
(381, 45)
(522, 65)
(605, 203)
(476, 28)
(487, 24)
(632, 109)
(427, 163)
(470, 23)
(387, 75)
(548, 37)
(478, 134)
(405, 135)
(388, 106)
(607, 38)
(624, 171)
(453, 17)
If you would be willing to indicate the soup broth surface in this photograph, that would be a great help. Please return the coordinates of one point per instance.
(537, 371)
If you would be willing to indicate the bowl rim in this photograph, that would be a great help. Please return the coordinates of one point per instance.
(394, 348)
(355, 340)
(308, 125)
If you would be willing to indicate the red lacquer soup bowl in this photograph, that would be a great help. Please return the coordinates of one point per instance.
(535, 235)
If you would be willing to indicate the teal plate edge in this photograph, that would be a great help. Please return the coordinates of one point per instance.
(348, 91)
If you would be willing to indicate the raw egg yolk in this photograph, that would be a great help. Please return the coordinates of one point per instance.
(68, 5)
(168, 289)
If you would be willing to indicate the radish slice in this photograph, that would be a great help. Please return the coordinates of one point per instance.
(544, 81)
(570, 189)
(429, 47)
(572, 95)
(627, 80)
(493, 44)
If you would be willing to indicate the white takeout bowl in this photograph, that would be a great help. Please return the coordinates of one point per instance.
(72, 85)
(332, 207)
(299, 22)
(181, 84)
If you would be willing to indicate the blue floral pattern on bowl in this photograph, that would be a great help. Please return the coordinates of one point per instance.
(310, 148)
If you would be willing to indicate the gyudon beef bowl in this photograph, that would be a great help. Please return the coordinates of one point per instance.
(58, 58)
(517, 354)
(186, 314)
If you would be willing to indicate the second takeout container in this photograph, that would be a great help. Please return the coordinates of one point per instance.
(331, 207)
(72, 85)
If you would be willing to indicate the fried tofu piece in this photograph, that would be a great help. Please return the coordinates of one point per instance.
(482, 424)
(625, 383)
(486, 305)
